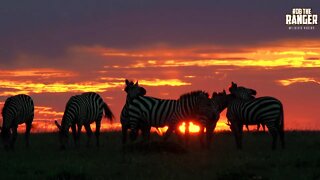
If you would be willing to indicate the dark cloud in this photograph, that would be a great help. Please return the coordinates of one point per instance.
(47, 28)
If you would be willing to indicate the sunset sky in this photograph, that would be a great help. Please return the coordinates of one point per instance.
(52, 50)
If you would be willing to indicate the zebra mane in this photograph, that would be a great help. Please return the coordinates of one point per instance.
(192, 94)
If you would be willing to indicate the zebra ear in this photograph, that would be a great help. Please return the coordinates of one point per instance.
(127, 82)
(224, 92)
(234, 84)
(57, 124)
(137, 83)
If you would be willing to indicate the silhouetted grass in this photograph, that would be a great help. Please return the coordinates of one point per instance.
(171, 160)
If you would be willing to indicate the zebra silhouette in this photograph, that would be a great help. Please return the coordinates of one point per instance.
(82, 110)
(133, 90)
(16, 110)
(242, 92)
(147, 112)
(265, 110)
(245, 94)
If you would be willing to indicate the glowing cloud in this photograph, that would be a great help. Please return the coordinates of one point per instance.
(276, 54)
(287, 82)
(44, 73)
(165, 82)
(295, 62)
(46, 113)
(31, 87)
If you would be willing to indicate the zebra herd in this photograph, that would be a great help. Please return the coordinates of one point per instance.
(142, 112)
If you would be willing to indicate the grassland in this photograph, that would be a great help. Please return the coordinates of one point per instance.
(44, 160)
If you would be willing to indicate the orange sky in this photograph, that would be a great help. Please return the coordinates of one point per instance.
(288, 71)
(52, 50)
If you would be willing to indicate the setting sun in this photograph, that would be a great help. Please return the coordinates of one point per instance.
(192, 128)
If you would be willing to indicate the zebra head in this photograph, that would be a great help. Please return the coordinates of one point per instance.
(242, 93)
(5, 136)
(220, 99)
(133, 90)
(63, 135)
(208, 108)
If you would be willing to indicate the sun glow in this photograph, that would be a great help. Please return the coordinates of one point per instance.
(192, 128)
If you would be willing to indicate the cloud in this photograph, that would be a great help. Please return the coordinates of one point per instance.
(46, 113)
(37, 73)
(165, 82)
(288, 82)
(56, 25)
(29, 87)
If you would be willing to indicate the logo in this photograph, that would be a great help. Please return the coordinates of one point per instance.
(301, 19)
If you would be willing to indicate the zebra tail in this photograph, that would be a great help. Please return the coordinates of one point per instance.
(107, 111)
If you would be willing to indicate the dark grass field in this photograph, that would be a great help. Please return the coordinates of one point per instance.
(44, 160)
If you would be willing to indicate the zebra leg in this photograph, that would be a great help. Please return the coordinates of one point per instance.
(258, 127)
(79, 131)
(124, 134)
(97, 133)
(146, 133)
(237, 131)
(14, 137)
(74, 134)
(146, 136)
(27, 134)
(168, 132)
(274, 133)
(89, 133)
(247, 126)
(281, 133)
(210, 130)
(201, 136)
(187, 133)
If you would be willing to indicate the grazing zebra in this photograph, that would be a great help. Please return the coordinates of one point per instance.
(133, 90)
(148, 112)
(264, 110)
(16, 110)
(81, 110)
(244, 94)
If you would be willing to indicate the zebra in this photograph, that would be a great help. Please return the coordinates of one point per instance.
(244, 94)
(82, 110)
(17, 109)
(265, 110)
(133, 90)
(148, 112)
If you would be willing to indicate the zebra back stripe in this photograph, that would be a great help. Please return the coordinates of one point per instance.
(17, 110)
(260, 110)
(84, 109)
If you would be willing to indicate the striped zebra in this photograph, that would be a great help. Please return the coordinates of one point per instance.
(264, 110)
(133, 90)
(244, 94)
(148, 112)
(82, 110)
(16, 110)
